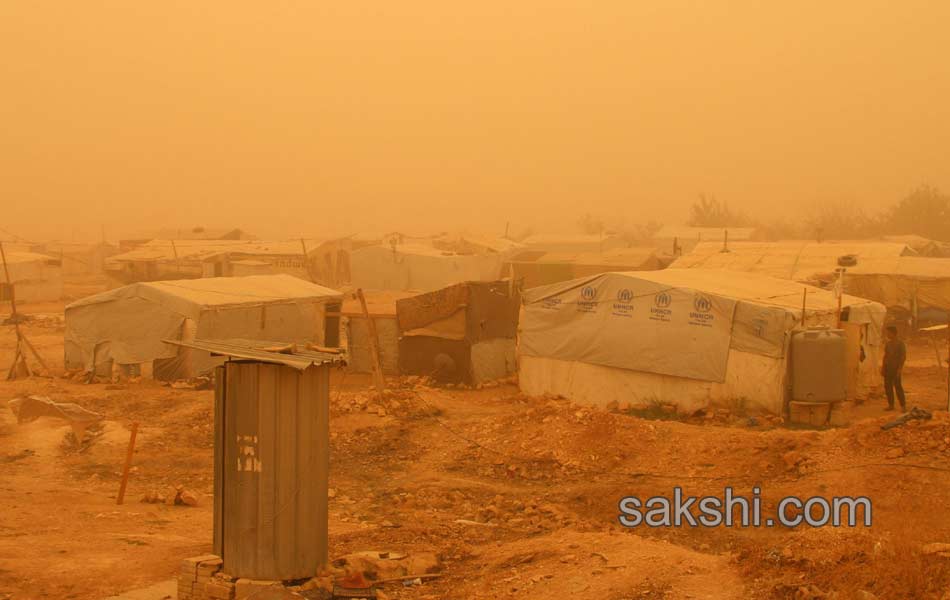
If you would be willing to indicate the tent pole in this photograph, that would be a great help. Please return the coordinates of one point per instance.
(804, 297)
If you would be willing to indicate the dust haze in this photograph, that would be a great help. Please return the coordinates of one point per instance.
(328, 118)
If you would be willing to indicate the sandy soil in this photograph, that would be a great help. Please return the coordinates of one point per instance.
(517, 495)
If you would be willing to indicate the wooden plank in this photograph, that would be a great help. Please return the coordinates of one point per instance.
(220, 394)
(373, 345)
(360, 314)
(128, 463)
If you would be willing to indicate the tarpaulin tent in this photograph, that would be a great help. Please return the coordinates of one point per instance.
(533, 268)
(471, 325)
(35, 277)
(419, 267)
(912, 283)
(126, 326)
(686, 337)
(796, 260)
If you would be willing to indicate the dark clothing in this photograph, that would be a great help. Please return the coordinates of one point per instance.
(892, 382)
(895, 353)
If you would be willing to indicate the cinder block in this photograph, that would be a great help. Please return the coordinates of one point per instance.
(244, 588)
(219, 590)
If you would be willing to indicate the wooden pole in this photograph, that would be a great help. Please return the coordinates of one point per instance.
(804, 298)
(306, 260)
(6, 273)
(373, 344)
(177, 262)
(128, 464)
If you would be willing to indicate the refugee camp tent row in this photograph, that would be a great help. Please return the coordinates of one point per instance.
(535, 268)
(159, 260)
(692, 338)
(464, 333)
(127, 326)
(34, 277)
(574, 244)
(804, 261)
(686, 238)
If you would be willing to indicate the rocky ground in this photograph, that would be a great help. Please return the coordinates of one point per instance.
(516, 496)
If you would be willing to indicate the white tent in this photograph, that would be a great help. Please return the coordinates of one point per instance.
(126, 326)
(691, 338)
(35, 277)
(419, 267)
(795, 259)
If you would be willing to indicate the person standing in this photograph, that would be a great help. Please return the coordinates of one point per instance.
(895, 353)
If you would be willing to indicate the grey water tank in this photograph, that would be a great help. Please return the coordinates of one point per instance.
(819, 373)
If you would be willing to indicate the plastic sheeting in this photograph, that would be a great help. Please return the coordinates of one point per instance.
(127, 325)
(618, 320)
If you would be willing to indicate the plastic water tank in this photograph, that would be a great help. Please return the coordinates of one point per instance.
(819, 373)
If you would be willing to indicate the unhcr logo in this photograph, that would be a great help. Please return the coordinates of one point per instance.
(701, 308)
(587, 302)
(661, 307)
(624, 303)
(702, 304)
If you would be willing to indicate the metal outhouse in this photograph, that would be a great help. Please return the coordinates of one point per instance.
(271, 458)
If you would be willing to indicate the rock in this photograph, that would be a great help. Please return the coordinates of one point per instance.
(865, 595)
(937, 548)
(188, 498)
(331, 493)
(244, 588)
(791, 459)
(894, 453)
(612, 405)
(381, 412)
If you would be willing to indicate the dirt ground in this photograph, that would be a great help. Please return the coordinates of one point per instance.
(518, 496)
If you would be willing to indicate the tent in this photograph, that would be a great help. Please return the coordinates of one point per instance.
(464, 333)
(534, 268)
(419, 267)
(687, 337)
(159, 260)
(35, 277)
(127, 326)
(920, 286)
(795, 260)
(575, 243)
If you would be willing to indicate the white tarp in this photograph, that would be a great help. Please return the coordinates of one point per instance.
(631, 323)
(127, 325)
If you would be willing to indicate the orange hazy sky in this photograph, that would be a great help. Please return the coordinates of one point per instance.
(325, 117)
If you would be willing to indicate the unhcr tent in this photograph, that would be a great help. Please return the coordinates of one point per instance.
(691, 338)
(127, 326)
(795, 260)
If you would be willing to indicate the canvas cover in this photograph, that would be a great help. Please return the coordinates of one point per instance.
(419, 267)
(36, 277)
(678, 322)
(795, 260)
(903, 281)
(127, 325)
(536, 268)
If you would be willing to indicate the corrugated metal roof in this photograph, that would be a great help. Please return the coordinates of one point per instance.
(257, 350)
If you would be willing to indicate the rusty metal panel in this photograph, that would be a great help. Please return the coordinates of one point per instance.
(275, 466)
